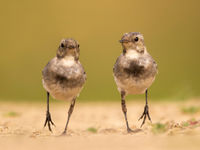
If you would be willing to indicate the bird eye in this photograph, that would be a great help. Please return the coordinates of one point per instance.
(62, 45)
(78, 45)
(136, 39)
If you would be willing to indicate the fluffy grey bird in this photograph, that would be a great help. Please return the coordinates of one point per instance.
(64, 77)
(134, 71)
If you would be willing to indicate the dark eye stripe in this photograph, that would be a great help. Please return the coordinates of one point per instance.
(126, 41)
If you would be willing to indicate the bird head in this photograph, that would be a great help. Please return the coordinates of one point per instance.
(68, 47)
(133, 41)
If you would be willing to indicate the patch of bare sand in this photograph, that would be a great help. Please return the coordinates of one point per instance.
(99, 126)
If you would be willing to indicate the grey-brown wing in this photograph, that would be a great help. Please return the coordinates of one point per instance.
(153, 65)
(46, 70)
(116, 66)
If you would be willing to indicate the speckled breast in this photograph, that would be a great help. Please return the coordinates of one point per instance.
(134, 76)
(63, 82)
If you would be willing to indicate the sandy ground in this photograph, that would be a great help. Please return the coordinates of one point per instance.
(100, 126)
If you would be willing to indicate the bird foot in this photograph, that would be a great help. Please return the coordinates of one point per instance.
(129, 130)
(145, 114)
(64, 133)
(48, 121)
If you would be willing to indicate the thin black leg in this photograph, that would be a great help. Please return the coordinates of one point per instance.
(48, 115)
(124, 109)
(69, 115)
(146, 111)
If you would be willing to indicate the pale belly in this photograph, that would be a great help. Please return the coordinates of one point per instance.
(134, 86)
(62, 93)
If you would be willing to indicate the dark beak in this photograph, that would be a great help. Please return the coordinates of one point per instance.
(71, 46)
(124, 41)
(120, 41)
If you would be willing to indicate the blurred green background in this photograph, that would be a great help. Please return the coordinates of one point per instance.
(31, 31)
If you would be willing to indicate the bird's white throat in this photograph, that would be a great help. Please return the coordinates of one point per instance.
(68, 60)
(132, 54)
